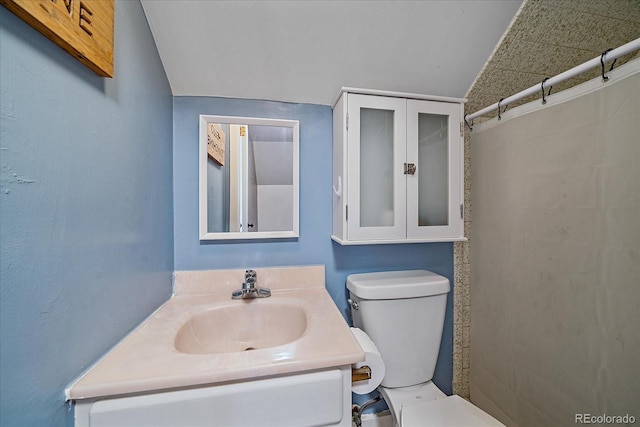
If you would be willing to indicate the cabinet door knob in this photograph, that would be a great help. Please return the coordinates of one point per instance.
(409, 168)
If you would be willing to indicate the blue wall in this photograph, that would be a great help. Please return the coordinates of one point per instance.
(86, 209)
(87, 214)
(314, 245)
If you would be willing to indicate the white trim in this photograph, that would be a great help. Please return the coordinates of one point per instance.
(618, 74)
(396, 95)
(202, 178)
(395, 241)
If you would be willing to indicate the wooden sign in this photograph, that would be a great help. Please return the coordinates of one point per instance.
(84, 28)
(215, 142)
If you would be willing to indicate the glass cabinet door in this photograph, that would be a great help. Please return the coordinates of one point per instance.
(376, 184)
(434, 146)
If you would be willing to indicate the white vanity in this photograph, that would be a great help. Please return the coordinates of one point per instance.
(205, 359)
(397, 168)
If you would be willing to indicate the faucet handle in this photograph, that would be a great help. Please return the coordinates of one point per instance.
(250, 274)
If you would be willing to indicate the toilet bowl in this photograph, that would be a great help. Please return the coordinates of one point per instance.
(403, 314)
(426, 405)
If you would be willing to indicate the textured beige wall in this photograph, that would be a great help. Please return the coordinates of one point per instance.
(548, 37)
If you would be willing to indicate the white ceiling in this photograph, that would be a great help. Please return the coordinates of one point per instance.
(305, 51)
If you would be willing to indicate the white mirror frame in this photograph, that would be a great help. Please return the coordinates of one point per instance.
(202, 161)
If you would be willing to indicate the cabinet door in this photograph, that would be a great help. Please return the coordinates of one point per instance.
(434, 191)
(376, 136)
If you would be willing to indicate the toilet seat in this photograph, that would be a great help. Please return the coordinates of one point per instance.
(451, 411)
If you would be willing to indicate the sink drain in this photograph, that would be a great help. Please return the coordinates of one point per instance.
(249, 348)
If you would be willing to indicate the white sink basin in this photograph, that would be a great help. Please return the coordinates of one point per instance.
(246, 326)
(201, 338)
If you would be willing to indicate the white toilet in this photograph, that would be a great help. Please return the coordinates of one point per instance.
(403, 314)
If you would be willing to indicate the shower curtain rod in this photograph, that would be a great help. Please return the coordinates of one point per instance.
(598, 61)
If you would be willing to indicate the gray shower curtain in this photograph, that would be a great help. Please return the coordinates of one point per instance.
(555, 258)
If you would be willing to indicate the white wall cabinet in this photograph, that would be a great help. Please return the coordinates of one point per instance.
(397, 168)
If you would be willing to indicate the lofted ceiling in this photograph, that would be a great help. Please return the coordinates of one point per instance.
(305, 51)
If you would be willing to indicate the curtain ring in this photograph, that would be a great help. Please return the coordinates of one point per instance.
(470, 126)
(605, 78)
(499, 112)
(544, 101)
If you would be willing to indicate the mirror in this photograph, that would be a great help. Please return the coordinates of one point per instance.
(248, 178)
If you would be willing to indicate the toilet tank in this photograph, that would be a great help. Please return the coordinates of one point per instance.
(403, 314)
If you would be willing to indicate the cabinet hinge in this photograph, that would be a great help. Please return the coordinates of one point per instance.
(462, 211)
(347, 121)
(462, 129)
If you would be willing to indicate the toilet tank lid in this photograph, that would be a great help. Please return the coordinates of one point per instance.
(397, 284)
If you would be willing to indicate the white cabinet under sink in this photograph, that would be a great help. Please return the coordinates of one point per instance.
(317, 398)
(397, 168)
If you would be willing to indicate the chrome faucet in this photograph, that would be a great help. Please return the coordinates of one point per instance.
(249, 288)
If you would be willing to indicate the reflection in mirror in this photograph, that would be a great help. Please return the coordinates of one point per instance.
(248, 178)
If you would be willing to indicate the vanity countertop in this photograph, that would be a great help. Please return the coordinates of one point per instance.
(147, 360)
